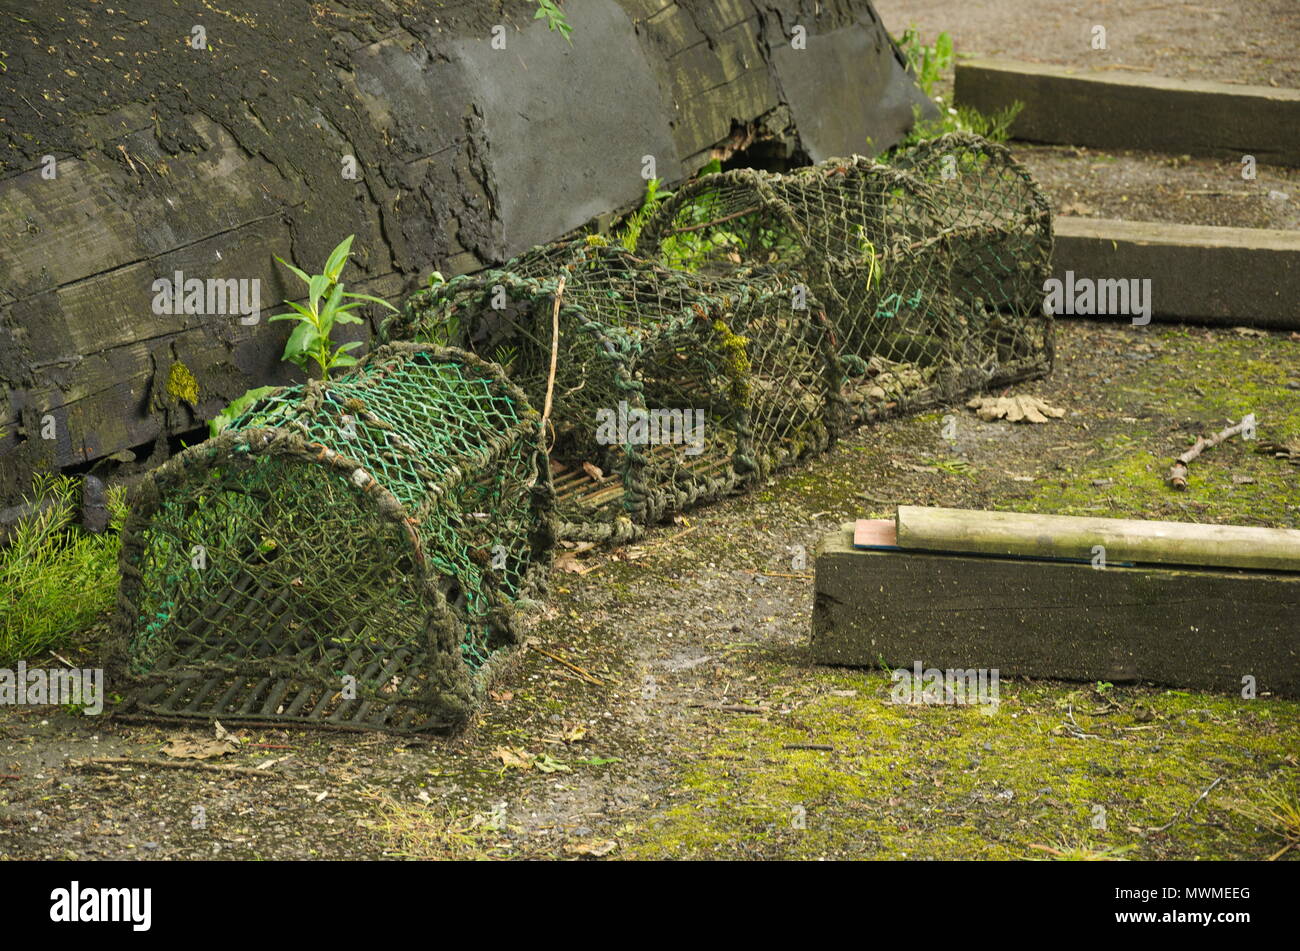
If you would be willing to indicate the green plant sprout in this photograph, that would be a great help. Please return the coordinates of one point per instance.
(310, 341)
(928, 63)
(555, 19)
(631, 230)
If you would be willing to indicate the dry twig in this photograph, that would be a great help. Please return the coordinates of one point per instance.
(1178, 474)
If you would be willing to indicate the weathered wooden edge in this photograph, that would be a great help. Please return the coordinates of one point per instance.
(1198, 274)
(1105, 110)
(1202, 629)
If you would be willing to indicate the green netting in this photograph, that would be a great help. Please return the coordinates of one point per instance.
(351, 552)
(931, 268)
(348, 552)
(670, 388)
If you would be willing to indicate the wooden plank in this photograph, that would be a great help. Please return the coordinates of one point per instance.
(1073, 537)
(1204, 628)
(1198, 273)
(1112, 111)
(875, 533)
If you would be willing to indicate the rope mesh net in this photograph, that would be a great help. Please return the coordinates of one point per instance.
(348, 552)
(670, 388)
(931, 268)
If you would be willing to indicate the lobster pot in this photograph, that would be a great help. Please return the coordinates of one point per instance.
(669, 388)
(348, 553)
(932, 267)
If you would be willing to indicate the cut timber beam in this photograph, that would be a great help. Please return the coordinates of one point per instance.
(1104, 110)
(1204, 629)
(1198, 273)
(1068, 537)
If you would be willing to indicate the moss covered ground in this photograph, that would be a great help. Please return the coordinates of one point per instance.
(670, 708)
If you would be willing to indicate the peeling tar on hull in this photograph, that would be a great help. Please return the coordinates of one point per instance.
(210, 141)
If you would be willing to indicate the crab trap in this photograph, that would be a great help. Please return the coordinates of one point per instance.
(932, 267)
(348, 553)
(668, 388)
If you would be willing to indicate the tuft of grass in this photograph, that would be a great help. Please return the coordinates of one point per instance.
(55, 580)
(419, 831)
(1067, 851)
(929, 63)
(1276, 809)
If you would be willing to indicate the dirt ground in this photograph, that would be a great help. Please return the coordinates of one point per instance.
(1230, 41)
(1221, 40)
(688, 730)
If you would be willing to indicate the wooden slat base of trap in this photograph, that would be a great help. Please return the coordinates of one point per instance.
(576, 491)
(267, 699)
(1198, 628)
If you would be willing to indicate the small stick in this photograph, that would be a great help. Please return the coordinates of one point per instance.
(649, 548)
(1188, 810)
(777, 574)
(737, 708)
(808, 746)
(716, 221)
(589, 677)
(167, 764)
(1178, 474)
(1045, 848)
(555, 349)
(10, 776)
(672, 538)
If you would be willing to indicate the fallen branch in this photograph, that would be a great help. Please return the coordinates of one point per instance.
(1178, 474)
(110, 761)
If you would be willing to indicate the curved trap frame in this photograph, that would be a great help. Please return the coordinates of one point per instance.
(932, 267)
(670, 388)
(349, 553)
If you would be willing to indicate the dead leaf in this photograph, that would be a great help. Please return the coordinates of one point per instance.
(594, 471)
(501, 696)
(1014, 409)
(514, 757)
(571, 565)
(182, 746)
(597, 848)
(547, 763)
(574, 733)
(1287, 451)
